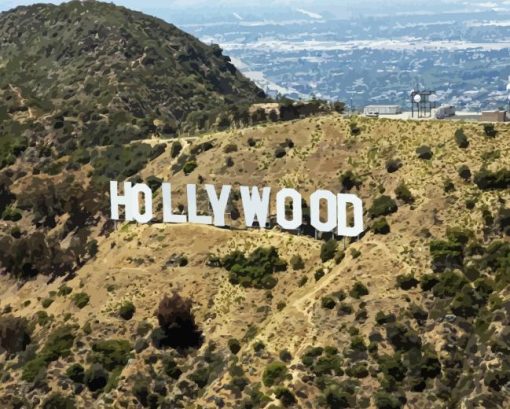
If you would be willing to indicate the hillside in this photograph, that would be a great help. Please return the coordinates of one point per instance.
(414, 314)
(88, 73)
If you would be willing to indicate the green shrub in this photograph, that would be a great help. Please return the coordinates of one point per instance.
(76, 373)
(58, 401)
(170, 367)
(234, 345)
(154, 182)
(349, 180)
(382, 206)
(81, 300)
(406, 281)
(461, 139)
(385, 400)
(466, 303)
(487, 180)
(402, 337)
(189, 167)
(285, 355)
(280, 152)
(328, 250)
(111, 354)
(490, 130)
(274, 373)
(127, 310)
(393, 165)
(358, 290)
(258, 346)
(175, 149)
(143, 328)
(12, 214)
(359, 370)
(337, 398)
(285, 396)
(355, 253)
(392, 366)
(328, 303)
(448, 186)
(464, 172)
(319, 274)
(96, 377)
(42, 318)
(58, 344)
(381, 226)
(424, 152)
(297, 263)
(302, 281)
(229, 148)
(418, 313)
(201, 376)
(381, 318)
(358, 344)
(345, 309)
(64, 290)
(446, 254)
(403, 193)
(46, 302)
(255, 271)
(339, 256)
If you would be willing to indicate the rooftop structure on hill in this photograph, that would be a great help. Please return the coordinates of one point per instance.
(382, 110)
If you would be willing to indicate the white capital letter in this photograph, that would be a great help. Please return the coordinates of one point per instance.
(134, 198)
(219, 205)
(117, 200)
(254, 205)
(297, 211)
(168, 216)
(315, 210)
(193, 217)
(357, 204)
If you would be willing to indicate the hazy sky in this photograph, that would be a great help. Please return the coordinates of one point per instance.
(370, 6)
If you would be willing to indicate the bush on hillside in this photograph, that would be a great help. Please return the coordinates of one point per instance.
(296, 262)
(464, 172)
(274, 373)
(15, 334)
(381, 226)
(490, 130)
(488, 180)
(358, 290)
(257, 269)
(424, 152)
(403, 193)
(393, 165)
(58, 401)
(349, 180)
(382, 206)
(127, 310)
(178, 328)
(461, 139)
(328, 250)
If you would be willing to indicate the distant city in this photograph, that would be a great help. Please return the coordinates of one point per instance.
(365, 60)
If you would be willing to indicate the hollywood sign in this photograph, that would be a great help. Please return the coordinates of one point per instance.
(255, 203)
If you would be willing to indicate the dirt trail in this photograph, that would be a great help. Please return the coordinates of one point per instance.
(17, 91)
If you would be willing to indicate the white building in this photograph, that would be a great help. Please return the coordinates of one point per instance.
(445, 111)
(382, 110)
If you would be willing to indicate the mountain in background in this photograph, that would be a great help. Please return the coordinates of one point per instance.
(106, 74)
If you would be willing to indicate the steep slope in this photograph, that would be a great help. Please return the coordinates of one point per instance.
(415, 312)
(88, 73)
